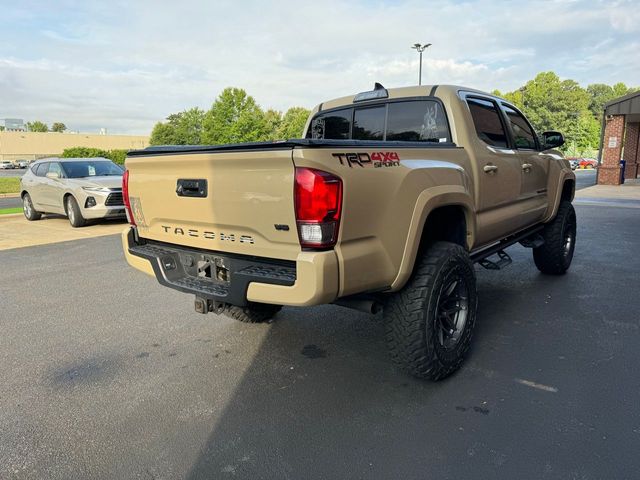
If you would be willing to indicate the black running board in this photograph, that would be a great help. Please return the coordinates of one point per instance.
(531, 233)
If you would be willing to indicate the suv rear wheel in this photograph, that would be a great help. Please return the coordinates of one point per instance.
(429, 323)
(555, 255)
(73, 212)
(30, 213)
(253, 313)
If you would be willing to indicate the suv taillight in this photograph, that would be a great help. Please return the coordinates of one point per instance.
(318, 201)
(125, 197)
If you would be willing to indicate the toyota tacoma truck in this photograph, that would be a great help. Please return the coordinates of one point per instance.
(386, 203)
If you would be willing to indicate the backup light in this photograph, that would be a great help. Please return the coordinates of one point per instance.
(318, 202)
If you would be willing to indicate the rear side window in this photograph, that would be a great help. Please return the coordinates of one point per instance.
(417, 121)
(334, 125)
(42, 169)
(486, 120)
(523, 135)
(368, 123)
(54, 167)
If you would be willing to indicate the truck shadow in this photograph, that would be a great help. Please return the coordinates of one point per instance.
(322, 395)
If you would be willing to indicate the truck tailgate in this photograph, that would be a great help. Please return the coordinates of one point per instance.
(247, 208)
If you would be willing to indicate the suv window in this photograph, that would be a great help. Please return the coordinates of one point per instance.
(523, 135)
(334, 125)
(54, 167)
(486, 120)
(368, 123)
(42, 169)
(417, 121)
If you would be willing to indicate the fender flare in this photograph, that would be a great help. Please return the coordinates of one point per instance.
(553, 206)
(428, 201)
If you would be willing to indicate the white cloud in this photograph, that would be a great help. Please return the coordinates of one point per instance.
(125, 65)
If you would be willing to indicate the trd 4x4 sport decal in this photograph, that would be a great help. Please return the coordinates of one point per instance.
(374, 159)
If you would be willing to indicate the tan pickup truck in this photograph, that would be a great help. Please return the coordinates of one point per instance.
(387, 202)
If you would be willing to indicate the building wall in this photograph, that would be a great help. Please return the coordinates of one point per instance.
(34, 145)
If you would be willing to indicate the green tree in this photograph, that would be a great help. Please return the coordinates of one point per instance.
(184, 128)
(116, 156)
(272, 119)
(554, 104)
(58, 127)
(292, 124)
(601, 93)
(1, 128)
(233, 118)
(37, 126)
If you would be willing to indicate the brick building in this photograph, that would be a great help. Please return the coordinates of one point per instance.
(620, 139)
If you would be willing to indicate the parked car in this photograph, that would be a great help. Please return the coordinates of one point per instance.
(22, 163)
(588, 163)
(574, 162)
(6, 165)
(80, 188)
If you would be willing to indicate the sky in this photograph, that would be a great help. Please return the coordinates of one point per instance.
(124, 65)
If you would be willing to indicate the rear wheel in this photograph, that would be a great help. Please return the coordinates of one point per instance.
(429, 323)
(555, 255)
(253, 313)
(73, 212)
(27, 207)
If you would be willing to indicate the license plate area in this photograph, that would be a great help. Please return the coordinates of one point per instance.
(207, 267)
(213, 268)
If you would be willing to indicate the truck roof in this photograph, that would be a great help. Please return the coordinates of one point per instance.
(403, 92)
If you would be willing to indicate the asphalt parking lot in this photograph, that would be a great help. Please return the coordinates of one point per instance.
(15, 172)
(106, 374)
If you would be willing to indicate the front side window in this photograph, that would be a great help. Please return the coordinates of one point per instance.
(368, 123)
(417, 121)
(334, 125)
(486, 120)
(523, 135)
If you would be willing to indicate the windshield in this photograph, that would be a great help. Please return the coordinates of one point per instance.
(91, 168)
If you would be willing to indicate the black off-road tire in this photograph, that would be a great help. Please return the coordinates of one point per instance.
(73, 212)
(30, 213)
(555, 255)
(253, 313)
(412, 316)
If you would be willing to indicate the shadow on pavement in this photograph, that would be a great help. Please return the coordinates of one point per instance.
(321, 398)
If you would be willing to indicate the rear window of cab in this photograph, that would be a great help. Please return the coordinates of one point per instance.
(409, 121)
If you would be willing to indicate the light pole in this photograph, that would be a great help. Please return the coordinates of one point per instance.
(420, 48)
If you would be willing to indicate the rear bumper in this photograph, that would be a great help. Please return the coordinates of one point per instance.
(236, 279)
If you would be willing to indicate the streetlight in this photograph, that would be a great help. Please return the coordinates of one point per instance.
(420, 48)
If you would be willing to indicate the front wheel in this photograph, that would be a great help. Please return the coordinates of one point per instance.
(73, 212)
(555, 255)
(429, 323)
(30, 213)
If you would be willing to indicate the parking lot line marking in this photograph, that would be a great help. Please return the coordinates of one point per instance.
(539, 386)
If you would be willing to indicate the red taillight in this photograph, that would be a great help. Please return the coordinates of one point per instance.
(125, 197)
(318, 198)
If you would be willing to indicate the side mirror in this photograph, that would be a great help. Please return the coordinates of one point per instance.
(52, 175)
(552, 139)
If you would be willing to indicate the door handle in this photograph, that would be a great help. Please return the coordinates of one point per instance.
(489, 168)
(526, 167)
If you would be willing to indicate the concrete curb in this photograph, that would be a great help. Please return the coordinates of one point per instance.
(11, 215)
(9, 195)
